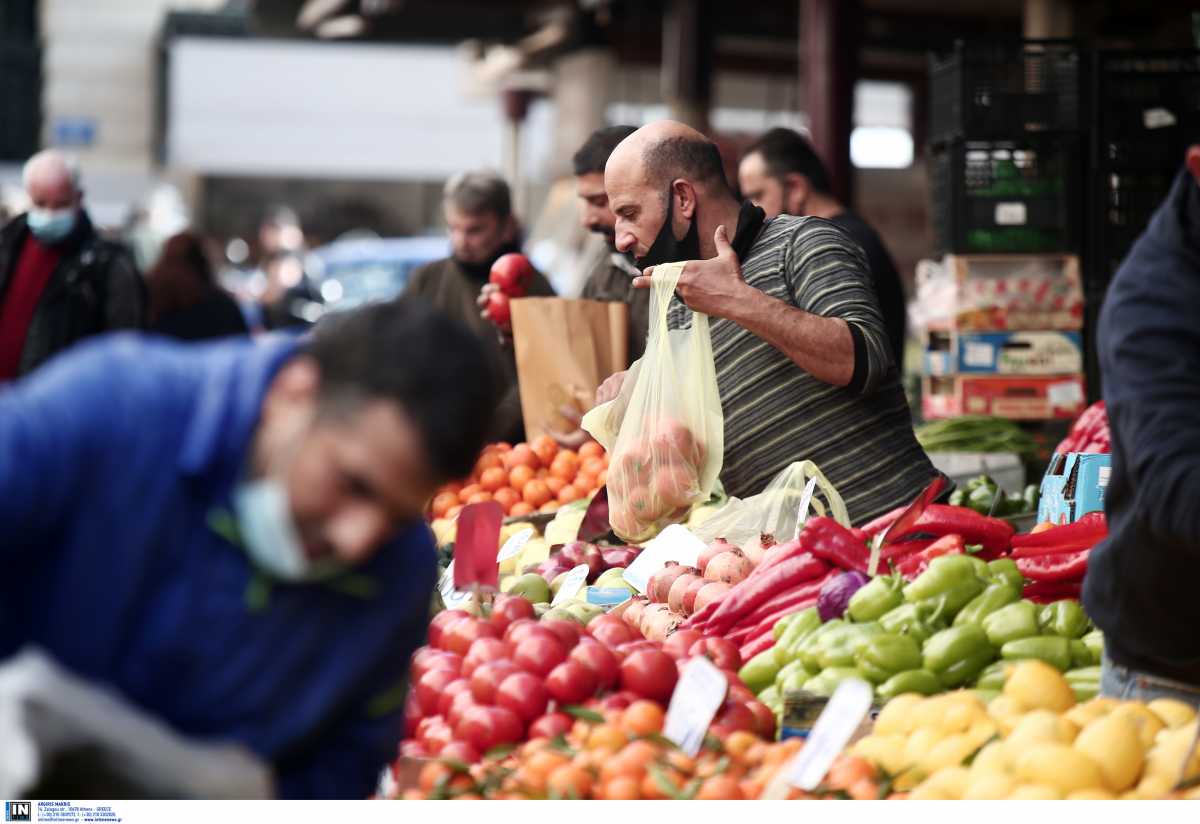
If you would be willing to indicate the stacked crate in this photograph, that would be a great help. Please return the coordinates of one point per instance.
(1004, 306)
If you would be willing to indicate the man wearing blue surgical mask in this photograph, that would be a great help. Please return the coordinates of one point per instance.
(230, 534)
(59, 280)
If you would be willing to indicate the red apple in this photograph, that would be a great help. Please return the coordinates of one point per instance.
(446, 700)
(459, 636)
(441, 621)
(551, 725)
(567, 631)
(539, 654)
(488, 677)
(600, 660)
(429, 689)
(482, 651)
(509, 608)
(570, 682)
(524, 694)
(721, 651)
(680, 642)
(649, 673)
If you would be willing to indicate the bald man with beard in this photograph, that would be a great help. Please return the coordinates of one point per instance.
(803, 364)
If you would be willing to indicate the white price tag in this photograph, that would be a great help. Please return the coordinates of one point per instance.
(1105, 474)
(1067, 394)
(514, 545)
(675, 543)
(980, 355)
(571, 585)
(1158, 118)
(697, 697)
(805, 505)
(451, 597)
(1011, 214)
(842, 716)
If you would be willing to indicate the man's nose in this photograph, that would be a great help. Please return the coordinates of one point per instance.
(625, 241)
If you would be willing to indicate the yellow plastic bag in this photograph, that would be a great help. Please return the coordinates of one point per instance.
(775, 511)
(665, 433)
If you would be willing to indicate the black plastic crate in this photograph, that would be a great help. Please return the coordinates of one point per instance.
(1007, 196)
(1147, 111)
(1005, 89)
(20, 100)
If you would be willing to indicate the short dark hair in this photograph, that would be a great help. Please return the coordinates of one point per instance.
(594, 152)
(478, 192)
(785, 151)
(697, 160)
(432, 366)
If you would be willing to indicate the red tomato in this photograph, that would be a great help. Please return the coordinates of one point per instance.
(459, 636)
(518, 631)
(412, 714)
(524, 694)
(765, 719)
(721, 651)
(539, 654)
(460, 704)
(512, 273)
(679, 643)
(570, 682)
(448, 694)
(614, 634)
(567, 631)
(441, 621)
(488, 677)
(460, 751)
(427, 658)
(483, 651)
(600, 660)
(436, 736)
(429, 689)
(413, 749)
(508, 727)
(551, 725)
(649, 673)
(509, 608)
(618, 700)
(477, 728)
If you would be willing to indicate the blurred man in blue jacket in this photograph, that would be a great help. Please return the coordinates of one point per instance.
(230, 534)
(1140, 586)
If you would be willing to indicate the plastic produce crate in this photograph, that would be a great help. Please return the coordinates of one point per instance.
(1003, 89)
(1007, 196)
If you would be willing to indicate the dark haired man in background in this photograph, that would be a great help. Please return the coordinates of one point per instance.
(803, 365)
(229, 535)
(782, 174)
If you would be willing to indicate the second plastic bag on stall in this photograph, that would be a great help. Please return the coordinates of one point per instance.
(774, 515)
(664, 432)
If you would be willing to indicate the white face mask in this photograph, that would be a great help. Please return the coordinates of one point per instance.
(269, 535)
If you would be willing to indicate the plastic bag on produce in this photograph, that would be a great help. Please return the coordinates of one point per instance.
(775, 510)
(665, 432)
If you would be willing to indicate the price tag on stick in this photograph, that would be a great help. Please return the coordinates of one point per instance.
(697, 697)
(805, 505)
(571, 585)
(514, 545)
(475, 545)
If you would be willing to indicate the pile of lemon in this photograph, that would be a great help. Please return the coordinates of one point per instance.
(1034, 742)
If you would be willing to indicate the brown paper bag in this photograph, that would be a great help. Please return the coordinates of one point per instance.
(564, 350)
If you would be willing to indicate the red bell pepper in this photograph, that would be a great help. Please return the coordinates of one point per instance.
(1092, 528)
(828, 540)
(1045, 592)
(912, 566)
(1067, 566)
(942, 519)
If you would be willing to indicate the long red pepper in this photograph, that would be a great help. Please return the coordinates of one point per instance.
(941, 519)
(913, 565)
(1056, 549)
(785, 602)
(744, 598)
(1091, 526)
(885, 520)
(1045, 592)
(751, 628)
(754, 647)
(828, 540)
(1069, 566)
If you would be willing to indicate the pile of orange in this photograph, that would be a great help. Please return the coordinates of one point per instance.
(526, 478)
(621, 755)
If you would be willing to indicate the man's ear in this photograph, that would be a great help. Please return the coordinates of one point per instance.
(798, 189)
(685, 194)
(1192, 160)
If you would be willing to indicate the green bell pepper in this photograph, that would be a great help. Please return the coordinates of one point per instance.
(885, 655)
(980, 566)
(1012, 622)
(1064, 618)
(840, 647)
(828, 681)
(794, 681)
(987, 602)
(1081, 655)
(993, 676)
(771, 696)
(980, 499)
(806, 650)
(876, 598)
(800, 627)
(759, 672)
(951, 582)
(920, 681)
(958, 654)
(1004, 570)
(788, 670)
(1095, 642)
(958, 497)
(918, 621)
(1085, 681)
(1052, 649)
(782, 624)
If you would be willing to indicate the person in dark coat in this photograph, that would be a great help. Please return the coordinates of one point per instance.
(59, 280)
(185, 300)
(1140, 582)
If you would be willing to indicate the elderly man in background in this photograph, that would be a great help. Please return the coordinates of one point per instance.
(59, 280)
(803, 364)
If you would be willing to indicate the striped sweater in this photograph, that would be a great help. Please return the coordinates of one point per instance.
(776, 413)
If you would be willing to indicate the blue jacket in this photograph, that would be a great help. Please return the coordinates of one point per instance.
(1141, 583)
(120, 558)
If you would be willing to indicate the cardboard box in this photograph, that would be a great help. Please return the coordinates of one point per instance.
(999, 292)
(1003, 353)
(1029, 398)
(1073, 486)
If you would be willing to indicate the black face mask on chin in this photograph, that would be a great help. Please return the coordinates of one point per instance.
(666, 249)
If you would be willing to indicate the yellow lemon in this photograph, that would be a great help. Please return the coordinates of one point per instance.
(1059, 766)
(1113, 743)
(1171, 712)
(1037, 685)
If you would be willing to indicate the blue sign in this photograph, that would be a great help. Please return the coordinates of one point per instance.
(74, 131)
